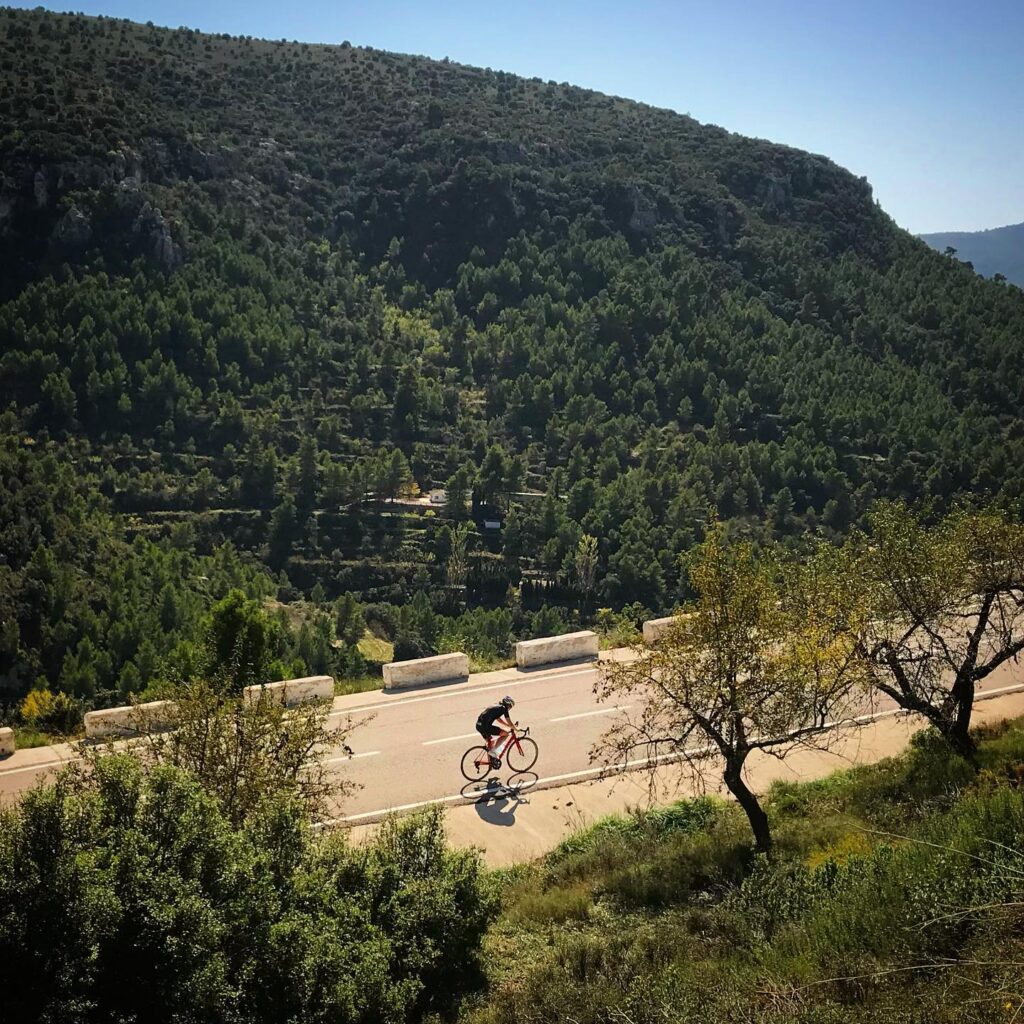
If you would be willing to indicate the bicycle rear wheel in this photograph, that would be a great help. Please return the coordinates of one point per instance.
(476, 763)
(521, 760)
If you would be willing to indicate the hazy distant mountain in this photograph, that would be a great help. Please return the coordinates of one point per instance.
(997, 251)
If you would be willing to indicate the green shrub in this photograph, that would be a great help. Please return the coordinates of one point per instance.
(684, 816)
(892, 791)
(428, 899)
(127, 894)
(554, 905)
(1001, 753)
(47, 712)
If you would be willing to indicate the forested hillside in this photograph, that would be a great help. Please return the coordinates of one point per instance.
(253, 292)
(996, 253)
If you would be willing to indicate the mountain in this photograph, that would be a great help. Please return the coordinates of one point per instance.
(252, 291)
(996, 251)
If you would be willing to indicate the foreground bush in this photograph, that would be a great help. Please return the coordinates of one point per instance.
(127, 895)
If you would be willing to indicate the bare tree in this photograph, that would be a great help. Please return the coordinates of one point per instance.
(243, 751)
(762, 660)
(947, 609)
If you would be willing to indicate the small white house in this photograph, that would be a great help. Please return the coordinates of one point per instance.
(438, 496)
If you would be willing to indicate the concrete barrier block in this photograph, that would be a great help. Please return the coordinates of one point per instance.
(291, 692)
(655, 629)
(444, 668)
(129, 721)
(549, 649)
(7, 743)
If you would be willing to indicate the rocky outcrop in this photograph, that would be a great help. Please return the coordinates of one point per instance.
(775, 190)
(41, 189)
(155, 234)
(643, 218)
(74, 228)
(72, 203)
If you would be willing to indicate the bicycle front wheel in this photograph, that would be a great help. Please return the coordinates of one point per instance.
(521, 757)
(476, 763)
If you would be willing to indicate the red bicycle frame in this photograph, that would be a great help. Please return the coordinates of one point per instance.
(509, 738)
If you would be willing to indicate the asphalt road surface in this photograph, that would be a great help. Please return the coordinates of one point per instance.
(407, 746)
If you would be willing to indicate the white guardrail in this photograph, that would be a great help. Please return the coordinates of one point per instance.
(443, 668)
(655, 629)
(290, 692)
(547, 650)
(7, 743)
(162, 714)
(129, 721)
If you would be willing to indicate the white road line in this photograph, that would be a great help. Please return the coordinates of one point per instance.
(459, 693)
(33, 767)
(647, 762)
(350, 757)
(451, 739)
(590, 714)
(583, 773)
(388, 810)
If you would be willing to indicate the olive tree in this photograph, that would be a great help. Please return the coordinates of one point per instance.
(761, 660)
(947, 609)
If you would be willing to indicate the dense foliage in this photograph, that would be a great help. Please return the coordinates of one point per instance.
(131, 896)
(255, 295)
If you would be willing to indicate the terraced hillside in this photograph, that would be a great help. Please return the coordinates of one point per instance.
(253, 292)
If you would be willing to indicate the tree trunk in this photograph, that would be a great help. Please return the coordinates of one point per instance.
(958, 735)
(752, 808)
(957, 729)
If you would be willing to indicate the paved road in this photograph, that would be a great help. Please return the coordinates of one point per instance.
(517, 825)
(407, 746)
(408, 749)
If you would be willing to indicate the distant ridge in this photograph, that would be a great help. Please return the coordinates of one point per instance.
(996, 251)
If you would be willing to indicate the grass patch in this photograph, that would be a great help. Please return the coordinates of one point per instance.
(26, 738)
(373, 648)
(480, 664)
(360, 684)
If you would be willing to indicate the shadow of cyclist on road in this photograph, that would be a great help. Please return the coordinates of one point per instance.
(497, 805)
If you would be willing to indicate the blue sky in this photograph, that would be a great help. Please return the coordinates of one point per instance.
(924, 98)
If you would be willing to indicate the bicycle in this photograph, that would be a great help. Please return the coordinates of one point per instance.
(518, 749)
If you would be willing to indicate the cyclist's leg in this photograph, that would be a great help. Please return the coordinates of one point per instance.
(494, 743)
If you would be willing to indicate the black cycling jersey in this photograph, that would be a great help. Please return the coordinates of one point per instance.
(490, 715)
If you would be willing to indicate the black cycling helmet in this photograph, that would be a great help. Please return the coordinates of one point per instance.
(508, 703)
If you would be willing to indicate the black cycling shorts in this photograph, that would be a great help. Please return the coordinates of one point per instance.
(487, 730)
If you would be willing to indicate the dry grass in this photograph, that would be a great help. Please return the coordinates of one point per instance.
(374, 649)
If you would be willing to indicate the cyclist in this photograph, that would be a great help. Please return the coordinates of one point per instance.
(492, 734)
